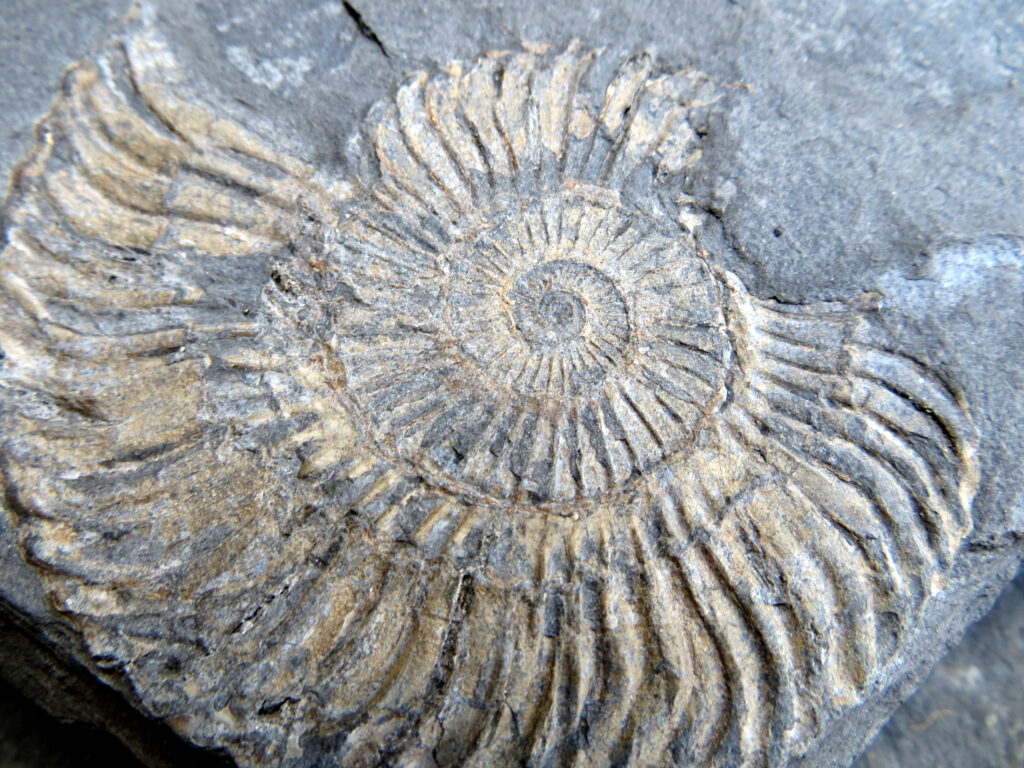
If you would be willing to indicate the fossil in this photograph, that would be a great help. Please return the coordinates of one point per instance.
(472, 456)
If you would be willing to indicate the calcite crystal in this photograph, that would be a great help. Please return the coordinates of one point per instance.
(475, 456)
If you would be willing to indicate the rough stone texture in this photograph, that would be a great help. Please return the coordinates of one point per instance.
(30, 738)
(37, 42)
(970, 710)
(751, 185)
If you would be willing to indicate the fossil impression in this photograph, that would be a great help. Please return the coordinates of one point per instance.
(471, 456)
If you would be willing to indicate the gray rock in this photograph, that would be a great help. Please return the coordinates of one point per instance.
(37, 42)
(869, 149)
(967, 714)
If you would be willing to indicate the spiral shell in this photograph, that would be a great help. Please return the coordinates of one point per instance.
(495, 466)
(521, 333)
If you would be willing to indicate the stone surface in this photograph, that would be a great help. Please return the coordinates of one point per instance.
(969, 712)
(29, 738)
(491, 336)
(37, 42)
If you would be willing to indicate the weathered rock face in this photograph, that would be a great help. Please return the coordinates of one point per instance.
(451, 433)
(970, 709)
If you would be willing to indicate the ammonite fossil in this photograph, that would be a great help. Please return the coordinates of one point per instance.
(470, 457)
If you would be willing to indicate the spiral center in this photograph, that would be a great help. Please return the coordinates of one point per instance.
(561, 350)
(558, 317)
(562, 312)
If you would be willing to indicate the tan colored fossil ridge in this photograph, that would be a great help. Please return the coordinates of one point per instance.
(472, 458)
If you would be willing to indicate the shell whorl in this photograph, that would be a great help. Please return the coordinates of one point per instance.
(519, 325)
(489, 464)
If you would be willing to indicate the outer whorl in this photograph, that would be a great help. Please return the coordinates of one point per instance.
(497, 467)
